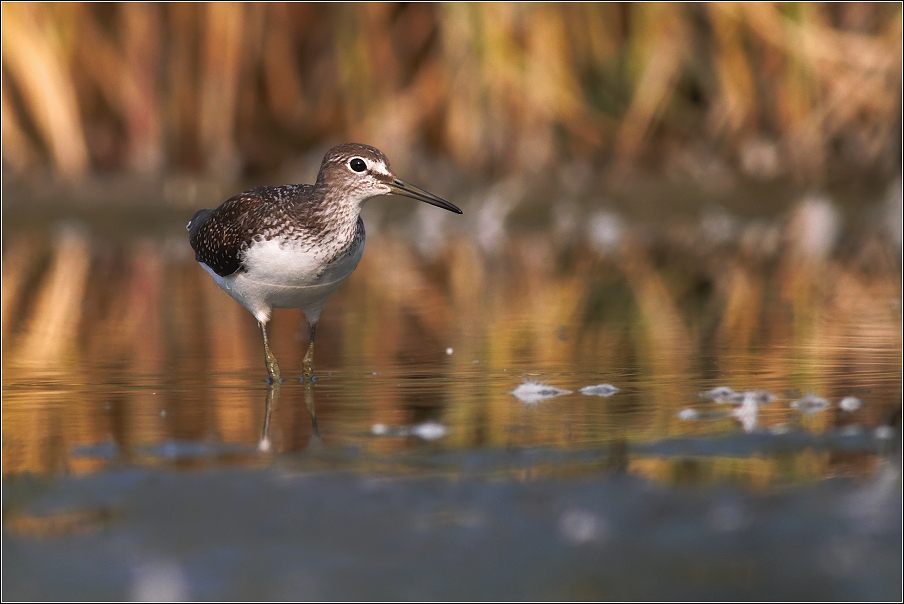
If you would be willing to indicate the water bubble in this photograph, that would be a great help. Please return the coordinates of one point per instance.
(725, 395)
(761, 397)
(429, 430)
(688, 414)
(599, 390)
(534, 392)
(748, 412)
(850, 403)
(719, 394)
(810, 404)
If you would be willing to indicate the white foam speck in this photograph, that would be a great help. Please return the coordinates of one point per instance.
(850, 403)
(719, 394)
(748, 412)
(810, 404)
(600, 390)
(429, 430)
(688, 414)
(534, 392)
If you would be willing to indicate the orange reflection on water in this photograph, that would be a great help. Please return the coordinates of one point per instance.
(133, 346)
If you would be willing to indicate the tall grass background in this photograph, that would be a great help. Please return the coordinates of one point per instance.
(811, 91)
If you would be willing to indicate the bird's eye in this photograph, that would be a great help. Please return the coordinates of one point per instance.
(357, 164)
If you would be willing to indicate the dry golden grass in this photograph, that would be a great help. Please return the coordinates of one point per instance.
(774, 88)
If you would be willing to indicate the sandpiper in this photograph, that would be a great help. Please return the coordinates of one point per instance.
(292, 246)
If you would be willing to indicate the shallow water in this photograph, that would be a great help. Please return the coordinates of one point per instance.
(446, 449)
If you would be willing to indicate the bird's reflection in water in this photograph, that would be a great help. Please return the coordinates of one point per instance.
(273, 393)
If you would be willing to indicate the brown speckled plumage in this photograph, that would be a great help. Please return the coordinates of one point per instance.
(291, 213)
(292, 246)
(309, 216)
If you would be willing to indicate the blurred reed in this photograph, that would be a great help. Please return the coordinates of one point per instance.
(772, 89)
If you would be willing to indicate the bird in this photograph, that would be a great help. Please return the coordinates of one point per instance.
(292, 246)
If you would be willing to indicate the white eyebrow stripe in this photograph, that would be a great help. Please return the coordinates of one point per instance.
(380, 168)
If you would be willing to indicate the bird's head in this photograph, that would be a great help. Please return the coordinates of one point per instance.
(356, 173)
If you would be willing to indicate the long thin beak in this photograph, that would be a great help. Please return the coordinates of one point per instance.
(400, 187)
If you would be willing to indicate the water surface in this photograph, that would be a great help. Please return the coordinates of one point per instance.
(429, 459)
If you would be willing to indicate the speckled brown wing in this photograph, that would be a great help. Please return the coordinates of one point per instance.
(217, 237)
(220, 236)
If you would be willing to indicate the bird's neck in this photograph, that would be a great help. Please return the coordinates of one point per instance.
(336, 213)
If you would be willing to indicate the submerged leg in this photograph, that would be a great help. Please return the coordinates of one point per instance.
(308, 363)
(269, 359)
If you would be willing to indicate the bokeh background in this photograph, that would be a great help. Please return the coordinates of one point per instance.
(667, 198)
(764, 90)
(679, 195)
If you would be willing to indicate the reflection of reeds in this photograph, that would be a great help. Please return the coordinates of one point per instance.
(51, 332)
(18, 265)
(505, 86)
(792, 317)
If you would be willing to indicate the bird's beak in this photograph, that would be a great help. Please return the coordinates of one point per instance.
(400, 187)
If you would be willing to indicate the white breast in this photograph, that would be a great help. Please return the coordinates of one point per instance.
(286, 264)
(286, 276)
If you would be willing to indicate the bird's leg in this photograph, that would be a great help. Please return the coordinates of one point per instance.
(308, 363)
(269, 359)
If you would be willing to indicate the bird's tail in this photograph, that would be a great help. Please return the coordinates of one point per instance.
(195, 223)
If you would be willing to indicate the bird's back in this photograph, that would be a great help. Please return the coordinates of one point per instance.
(219, 236)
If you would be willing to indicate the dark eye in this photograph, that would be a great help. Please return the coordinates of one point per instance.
(357, 165)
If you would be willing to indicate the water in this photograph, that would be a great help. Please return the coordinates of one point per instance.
(446, 449)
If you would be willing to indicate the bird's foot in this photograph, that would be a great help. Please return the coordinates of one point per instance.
(307, 372)
(273, 370)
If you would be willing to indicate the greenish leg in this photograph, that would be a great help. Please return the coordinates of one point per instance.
(269, 359)
(308, 363)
